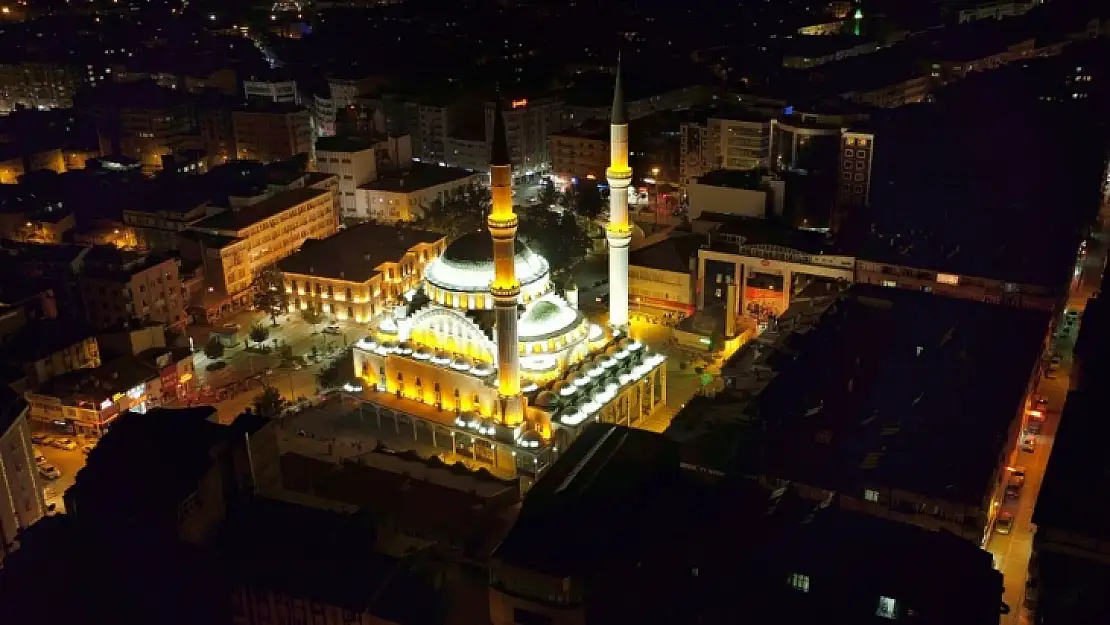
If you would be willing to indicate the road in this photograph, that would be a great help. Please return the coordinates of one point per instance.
(69, 462)
(251, 365)
(1012, 552)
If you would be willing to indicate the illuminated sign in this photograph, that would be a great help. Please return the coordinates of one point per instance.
(519, 104)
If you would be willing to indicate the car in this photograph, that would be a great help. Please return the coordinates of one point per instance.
(1041, 403)
(1051, 374)
(1017, 474)
(49, 471)
(42, 439)
(1055, 362)
(1033, 427)
(39, 458)
(65, 443)
(297, 365)
(1029, 444)
(87, 448)
(234, 327)
(332, 329)
(1004, 524)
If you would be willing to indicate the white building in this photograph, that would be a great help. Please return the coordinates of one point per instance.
(272, 90)
(356, 162)
(528, 123)
(467, 153)
(739, 193)
(400, 197)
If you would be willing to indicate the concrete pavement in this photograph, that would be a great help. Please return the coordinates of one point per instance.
(69, 462)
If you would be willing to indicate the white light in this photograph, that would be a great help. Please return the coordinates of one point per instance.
(591, 407)
(625, 378)
(419, 355)
(612, 387)
(583, 381)
(461, 422)
(635, 346)
(596, 333)
(567, 391)
(529, 388)
(404, 350)
(621, 355)
(441, 360)
(573, 419)
(594, 373)
(460, 365)
(351, 388)
(538, 363)
(482, 370)
(608, 363)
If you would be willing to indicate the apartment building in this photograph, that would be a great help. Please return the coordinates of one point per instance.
(153, 124)
(580, 152)
(733, 140)
(119, 286)
(359, 272)
(272, 89)
(36, 86)
(356, 161)
(235, 245)
(528, 124)
(21, 496)
(400, 197)
(271, 131)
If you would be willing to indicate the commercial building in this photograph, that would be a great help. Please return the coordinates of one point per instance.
(119, 286)
(87, 401)
(170, 206)
(751, 194)
(738, 139)
(663, 276)
(235, 245)
(580, 152)
(734, 551)
(359, 272)
(271, 131)
(917, 368)
(356, 162)
(401, 196)
(21, 497)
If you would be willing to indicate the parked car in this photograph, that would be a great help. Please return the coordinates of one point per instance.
(49, 471)
(1033, 427)
(41, 439)
(1005, 523)
(1029, 444)
(39, 458)
(67, 444)
(1042, 404)
(332, 329)
(87, 448)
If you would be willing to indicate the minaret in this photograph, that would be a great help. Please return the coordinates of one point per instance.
(505, 288)
(619, 232)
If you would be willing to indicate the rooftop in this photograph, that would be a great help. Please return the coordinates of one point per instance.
(42, 338)
(671, 254)
(877, 388)
(147, 464)
(421, 176)
(354, 254)
(342, 144)
(594, 129)
(1066, 502)
(607, 479)
(749, 231)
(734, 178)
(231, 222)
(332, 561)
(92, 386)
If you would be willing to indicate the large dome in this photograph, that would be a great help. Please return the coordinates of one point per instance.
(467, 264)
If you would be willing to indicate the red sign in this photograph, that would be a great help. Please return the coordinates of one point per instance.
(169, 381)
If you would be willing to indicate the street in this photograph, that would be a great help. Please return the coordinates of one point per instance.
(1012, 551)
(68, 462)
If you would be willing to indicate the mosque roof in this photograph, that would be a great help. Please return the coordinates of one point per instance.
(467, 264)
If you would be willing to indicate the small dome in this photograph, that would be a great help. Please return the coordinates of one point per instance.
(482, 369)
(462, 363)
(547, 400)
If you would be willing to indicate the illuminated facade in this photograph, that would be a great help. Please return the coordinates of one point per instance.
(487, 348)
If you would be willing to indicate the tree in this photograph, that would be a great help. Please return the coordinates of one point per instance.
(457, 215)
(311, 315)
(269, 402)
(269, 292)
(548, 195)
(214, 349)
(328, 378)
(558, 238)
(258, 333)
(586, 199)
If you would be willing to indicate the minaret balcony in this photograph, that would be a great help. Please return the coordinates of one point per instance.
(504, 291)
(616, 176)
(507, 222)
(618, 231)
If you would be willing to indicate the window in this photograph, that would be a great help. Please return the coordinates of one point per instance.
(872, 495)
(945, 278)
(859, 177)
(861, 154)
(890, 283)
(888, 608)
(849, 153)
(798, 581)
(861, 165)
(859, 188)
(847, 175)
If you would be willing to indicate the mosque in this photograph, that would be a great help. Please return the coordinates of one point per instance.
(488, 348)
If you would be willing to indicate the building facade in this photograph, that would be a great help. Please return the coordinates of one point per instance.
(360, 272)
(272, 90)
(272, 132)
(581, 152)
(528, 124)
(117, 288)
(236, 245)
(21, 497)
(356, 162)
(400, 197)
(36, 86)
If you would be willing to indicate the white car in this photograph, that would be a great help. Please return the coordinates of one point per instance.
(65, 443)
(332, 329)
(49, 471)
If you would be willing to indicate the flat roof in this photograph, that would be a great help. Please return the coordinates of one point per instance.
(1067, 500)
(42, 338)
(608, 479)
(901, 389)
(754, 231)
(236, 219)
(671, 254)
(354, 254)
(733, 178)
(421, 176)
(342, 144)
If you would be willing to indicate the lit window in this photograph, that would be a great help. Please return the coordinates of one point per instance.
(871, 495)
(890, 283)
(799, 582)
(946, 278)
(888, 608)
